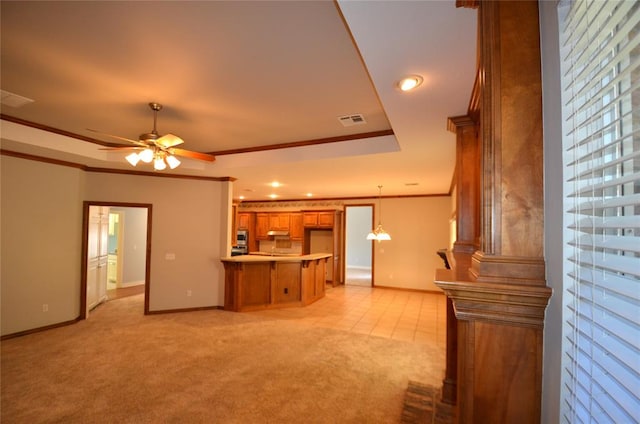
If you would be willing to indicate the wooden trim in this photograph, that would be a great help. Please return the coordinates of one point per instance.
(83, 258)
(408, 289)
(277, 146)
(491, 124)
(508, 269)
(469, 4)
(85, 168)
(250, 203)
(305, 143)
(456, 122)
(53, 130)
(43, 159)
(476, 98)
(39, 329)
(155, 174)
(171, 311)
(500, 303)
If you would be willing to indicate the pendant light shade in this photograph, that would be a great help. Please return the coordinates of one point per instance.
(379, 233)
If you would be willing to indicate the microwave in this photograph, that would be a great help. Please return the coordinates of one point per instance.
(242, 237)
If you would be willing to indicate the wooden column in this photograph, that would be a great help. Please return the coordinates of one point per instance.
(500, 296)
(467, 183)
(467, 176)
(512, 211)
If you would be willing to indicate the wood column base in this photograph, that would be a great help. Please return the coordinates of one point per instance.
(507, 269)
(500, 337)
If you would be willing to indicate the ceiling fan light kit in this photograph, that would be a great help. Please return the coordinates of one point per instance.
(157, 149)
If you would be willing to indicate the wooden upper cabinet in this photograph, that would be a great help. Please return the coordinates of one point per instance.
(296, 229)
(310, 219)
(320, 219)
(262, 226)
(279, 221)
(325, 219)
(244, 220)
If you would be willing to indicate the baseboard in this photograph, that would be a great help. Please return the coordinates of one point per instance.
(407, 289)
(130, 284)
(171, 311)
(39, 329)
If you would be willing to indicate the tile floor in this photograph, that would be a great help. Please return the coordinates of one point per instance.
(395, 314)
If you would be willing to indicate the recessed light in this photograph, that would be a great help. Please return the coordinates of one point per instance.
(241, 197)
(273, 196)
(275, 184)
(309, 194)
(410, 82)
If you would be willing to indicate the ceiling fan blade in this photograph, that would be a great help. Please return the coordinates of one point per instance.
(169, 140)
(193, 155)
(138, 142)
(122, 148)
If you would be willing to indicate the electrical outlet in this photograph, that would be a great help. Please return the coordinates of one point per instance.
(188, 293)
(45, 307)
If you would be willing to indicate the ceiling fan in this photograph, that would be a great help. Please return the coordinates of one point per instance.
(152, 147)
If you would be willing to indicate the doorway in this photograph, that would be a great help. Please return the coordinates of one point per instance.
(116, 249)
(358, 250)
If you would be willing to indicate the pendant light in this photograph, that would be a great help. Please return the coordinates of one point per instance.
(379, 233)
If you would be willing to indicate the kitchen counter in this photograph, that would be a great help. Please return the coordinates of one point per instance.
(255, 282)
(262, 257)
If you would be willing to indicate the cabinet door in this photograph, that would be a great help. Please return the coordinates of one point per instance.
(279, 221)
(310, 219)
(325, 219)
(284, 223)
(262, 226)
(244, 220)
(296, 230)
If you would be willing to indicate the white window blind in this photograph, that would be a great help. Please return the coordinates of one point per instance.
(600, 61)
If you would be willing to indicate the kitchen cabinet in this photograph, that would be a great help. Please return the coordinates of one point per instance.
(296, 229)
(268, 282)
(279, 221)
(318, 219)
(244, 221)
(262, 226)
(323, 233)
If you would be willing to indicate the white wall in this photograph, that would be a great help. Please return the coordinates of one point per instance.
(553, 201)
(419, 227)
(187, 222)
(41, 243)
(134, 243)
(358, 225)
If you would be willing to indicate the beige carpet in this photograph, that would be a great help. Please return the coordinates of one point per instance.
(208, 366)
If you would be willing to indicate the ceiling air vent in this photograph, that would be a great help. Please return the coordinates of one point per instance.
(350, 120)
(14, 100)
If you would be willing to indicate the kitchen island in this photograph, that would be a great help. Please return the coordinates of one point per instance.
(255, 282)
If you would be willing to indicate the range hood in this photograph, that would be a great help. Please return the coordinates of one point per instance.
(278, 233)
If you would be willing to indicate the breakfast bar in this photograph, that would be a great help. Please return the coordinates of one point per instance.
(256, 282)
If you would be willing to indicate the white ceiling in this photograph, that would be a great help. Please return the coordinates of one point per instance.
(248, 75)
